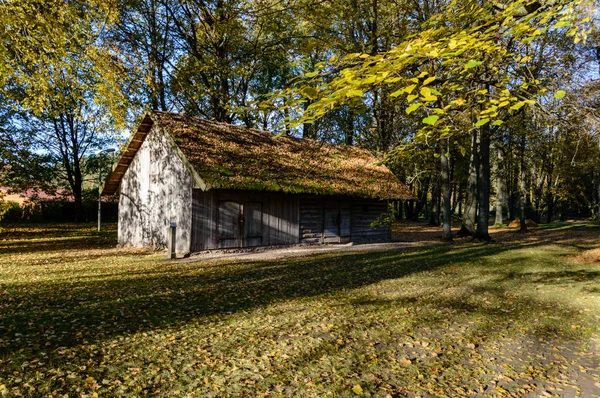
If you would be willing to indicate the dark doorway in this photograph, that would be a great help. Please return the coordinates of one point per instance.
(336, 225)
(240, 224)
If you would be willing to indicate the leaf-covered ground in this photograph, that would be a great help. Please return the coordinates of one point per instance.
(515, 318)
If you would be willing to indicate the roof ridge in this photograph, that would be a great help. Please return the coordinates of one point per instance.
(230, 156)
(270, 133)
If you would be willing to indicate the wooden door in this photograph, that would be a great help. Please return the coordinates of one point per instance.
(345, 224)
(252, 224)
(331, 225)
(229, 224)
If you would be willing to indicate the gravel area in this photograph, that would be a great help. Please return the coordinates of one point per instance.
(278, 252)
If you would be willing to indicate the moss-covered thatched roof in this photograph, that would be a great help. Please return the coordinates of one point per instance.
(226, 156)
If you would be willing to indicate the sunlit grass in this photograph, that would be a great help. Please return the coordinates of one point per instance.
(80, 317)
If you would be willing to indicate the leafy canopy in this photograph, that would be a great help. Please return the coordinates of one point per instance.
(467, 62)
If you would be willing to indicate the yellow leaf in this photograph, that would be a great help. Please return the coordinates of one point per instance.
(430, 98)
(517, 106)
(409, 89)
(428, 80)
(412, 108)
(357, 389)
(559, 94)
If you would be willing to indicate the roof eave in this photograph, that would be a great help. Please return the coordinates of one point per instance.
(113, 180)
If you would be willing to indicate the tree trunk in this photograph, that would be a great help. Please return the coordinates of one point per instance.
(409, 207)
(500, 189)
(446, 195)
(433, 215)
(550, 200)
(522, 190)
(308, 129)
(482, 232)
(422, 203)
(457, 193)
(470, 212)
(349, 133)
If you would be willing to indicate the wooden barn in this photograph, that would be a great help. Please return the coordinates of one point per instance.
(227, 186)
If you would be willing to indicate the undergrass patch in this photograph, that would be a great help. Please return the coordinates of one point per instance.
(79, 317)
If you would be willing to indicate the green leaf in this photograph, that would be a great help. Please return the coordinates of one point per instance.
(412, 108)
(472, 64)
(311, 74)
(431, 120)
(309, 92)
(354, 93)
(482, 122)
(498, 123)
(559, 94)
(562, 24)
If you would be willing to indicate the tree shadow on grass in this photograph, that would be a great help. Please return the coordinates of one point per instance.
(47, 315)
(38, 238)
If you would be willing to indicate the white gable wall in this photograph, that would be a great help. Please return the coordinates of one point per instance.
(155, 191)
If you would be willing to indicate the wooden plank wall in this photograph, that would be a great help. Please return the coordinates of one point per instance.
(279, 218)
(362, 213)
(204, 220)
(311, 219)
(286, 219)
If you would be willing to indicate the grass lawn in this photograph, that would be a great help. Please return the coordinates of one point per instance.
(511, 318)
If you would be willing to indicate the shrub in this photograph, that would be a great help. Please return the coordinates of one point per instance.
(10, 211)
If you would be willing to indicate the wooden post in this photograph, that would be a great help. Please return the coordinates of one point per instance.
(99, 201)
(173, 241)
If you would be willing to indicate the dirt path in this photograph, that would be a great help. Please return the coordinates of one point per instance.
(274, 253)
(405, 236)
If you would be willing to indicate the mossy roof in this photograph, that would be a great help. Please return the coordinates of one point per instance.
(227, 156)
